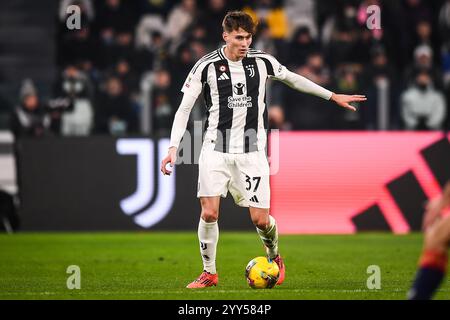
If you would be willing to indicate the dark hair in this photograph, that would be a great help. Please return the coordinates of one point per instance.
(238, 19)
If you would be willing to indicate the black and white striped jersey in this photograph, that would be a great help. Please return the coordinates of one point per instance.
(235, 95)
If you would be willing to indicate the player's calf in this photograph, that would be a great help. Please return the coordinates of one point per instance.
(432, 263)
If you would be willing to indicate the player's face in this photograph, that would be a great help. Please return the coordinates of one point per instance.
(238, 42)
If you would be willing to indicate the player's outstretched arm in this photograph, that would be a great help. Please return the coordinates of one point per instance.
(305, 85)
(344, 100)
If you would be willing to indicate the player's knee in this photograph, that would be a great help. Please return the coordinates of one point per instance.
(209, 214)
(261, 222)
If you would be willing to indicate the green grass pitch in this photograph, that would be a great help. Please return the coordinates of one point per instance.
(158, 265)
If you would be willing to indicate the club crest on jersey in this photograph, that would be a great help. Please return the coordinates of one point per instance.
(239, 88)
(223, 68)
(251, 70)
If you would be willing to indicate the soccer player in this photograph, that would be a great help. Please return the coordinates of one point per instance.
(233, 158)
(433, 262)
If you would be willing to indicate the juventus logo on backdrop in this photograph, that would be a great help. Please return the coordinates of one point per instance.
(147, 207)
(251, 70)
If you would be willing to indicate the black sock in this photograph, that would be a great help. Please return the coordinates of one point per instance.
(426, 282)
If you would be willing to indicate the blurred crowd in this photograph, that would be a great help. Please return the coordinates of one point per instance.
(132, 55)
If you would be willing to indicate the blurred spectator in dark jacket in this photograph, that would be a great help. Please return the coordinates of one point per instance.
(347, 82)
(446, 64)
(300, 47)
(382, 90)
(115, 26)
(444, 22)
(78, 46)
(151, 55)
(342, 47)
(130, 79)
(113, 111)
(163, 103)
(423, 61)
(119, 46)
(423, 107)
(29, 118)
(198, 32)
(125, 71)
(425, 35)
(115, 16)
(211, 19)
(447, 99)
(179, 67)
(306, 112)
(414, 12)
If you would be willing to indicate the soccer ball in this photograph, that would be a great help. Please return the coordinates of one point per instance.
(262, 273)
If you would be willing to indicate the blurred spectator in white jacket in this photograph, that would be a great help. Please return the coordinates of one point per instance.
(422, 106)
(179, 19)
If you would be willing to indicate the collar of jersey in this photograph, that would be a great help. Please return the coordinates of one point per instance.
(222, 52)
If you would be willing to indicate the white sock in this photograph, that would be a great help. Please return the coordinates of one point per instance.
(270, 238)
(208, 235)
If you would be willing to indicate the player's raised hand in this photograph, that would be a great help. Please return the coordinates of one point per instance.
(171, 158)
(344, 100)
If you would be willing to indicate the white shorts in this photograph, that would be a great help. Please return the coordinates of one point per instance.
(245, 175)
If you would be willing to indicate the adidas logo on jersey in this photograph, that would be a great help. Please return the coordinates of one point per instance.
(224, 76)
(254, 199)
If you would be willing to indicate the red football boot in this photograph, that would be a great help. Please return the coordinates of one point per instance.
(282, 268)
(206, 279)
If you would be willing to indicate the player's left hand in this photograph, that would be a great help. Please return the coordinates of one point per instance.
(171, 158)
(344, 100)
